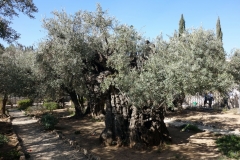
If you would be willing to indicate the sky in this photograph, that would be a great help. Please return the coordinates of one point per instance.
(150, 17)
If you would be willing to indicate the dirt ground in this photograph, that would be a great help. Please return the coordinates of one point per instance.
(10, 149)
(185, 145)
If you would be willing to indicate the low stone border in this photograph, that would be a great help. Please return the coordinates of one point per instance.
(72, 143)
(76, 146)
(19, 144)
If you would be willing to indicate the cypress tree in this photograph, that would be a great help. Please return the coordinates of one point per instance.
(181, 25)
(219, 30)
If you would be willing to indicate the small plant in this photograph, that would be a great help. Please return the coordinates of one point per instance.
(229, 145)
(48, 121)
(51, 106)
(190, 127)
(3, 139)
(24, 104)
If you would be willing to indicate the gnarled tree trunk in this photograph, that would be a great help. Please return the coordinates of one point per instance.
(138, 127)
(77, 105)
(116, 122)
(3, 105)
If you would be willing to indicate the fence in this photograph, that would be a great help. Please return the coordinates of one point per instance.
(198, 100)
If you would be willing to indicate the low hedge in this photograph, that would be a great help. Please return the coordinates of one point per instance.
(51, 105)
(24, 104)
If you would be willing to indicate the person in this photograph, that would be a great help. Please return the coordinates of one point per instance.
(231, 99)
(205, 99)
(210, 99)
(236, 95)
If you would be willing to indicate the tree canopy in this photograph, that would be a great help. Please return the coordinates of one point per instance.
(9, 9)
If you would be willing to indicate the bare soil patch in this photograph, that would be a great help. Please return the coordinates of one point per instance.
(185, 145)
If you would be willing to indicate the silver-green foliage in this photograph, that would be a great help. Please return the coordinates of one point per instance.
(16, 73)
(192, 63)
(10, 9)
(234, 65)
(68, 56)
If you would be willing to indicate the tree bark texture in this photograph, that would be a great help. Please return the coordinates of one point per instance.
(131, 125)
(77, 105)
(3, 106)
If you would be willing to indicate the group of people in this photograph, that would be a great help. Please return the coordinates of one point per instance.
(232, 100)
(208, 98)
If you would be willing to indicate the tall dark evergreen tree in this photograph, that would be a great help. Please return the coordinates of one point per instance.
(219, 30)
(181, 25)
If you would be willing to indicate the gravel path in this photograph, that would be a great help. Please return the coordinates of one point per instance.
(41, 145)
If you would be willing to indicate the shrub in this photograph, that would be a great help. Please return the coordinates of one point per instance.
(51, 105)
(24, 104)
(3, 139)
(48, 121)
(229, 145)
(190, 127)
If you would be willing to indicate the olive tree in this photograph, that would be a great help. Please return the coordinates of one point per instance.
(16, 74)
(92, 54)
(9, 9)
(234, 65)
(188, 64)
(60, 57)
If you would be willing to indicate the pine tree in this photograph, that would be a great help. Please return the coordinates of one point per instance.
(181, 25)
(219, 30)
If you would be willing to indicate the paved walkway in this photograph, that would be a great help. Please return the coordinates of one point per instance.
(41, 145)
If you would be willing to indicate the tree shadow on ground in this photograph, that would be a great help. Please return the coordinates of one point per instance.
(185, 145)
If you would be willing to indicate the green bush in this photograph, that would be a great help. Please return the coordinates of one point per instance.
(24, 104)
(51, 105)
(48, 121)
(229, 145)
(3, 139)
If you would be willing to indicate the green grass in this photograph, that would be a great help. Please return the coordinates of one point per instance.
(229, 145)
